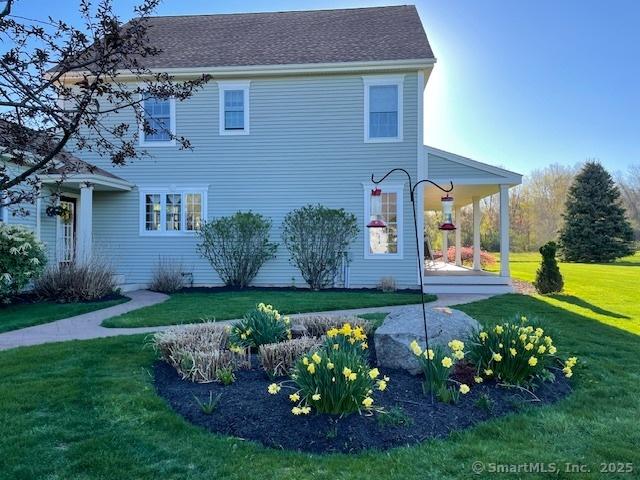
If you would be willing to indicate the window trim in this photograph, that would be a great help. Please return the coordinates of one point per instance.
(223, 86)
(384, 80)
(397, 188)
(163, 192)
(172, 127)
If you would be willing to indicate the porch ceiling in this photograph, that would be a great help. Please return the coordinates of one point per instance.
(462, 195)
(98, 182)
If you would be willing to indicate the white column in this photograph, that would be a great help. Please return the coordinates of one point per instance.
(504, 230)
(85, 223)
(476, 233)
(38, 216)
(445, 246)
(458, 218)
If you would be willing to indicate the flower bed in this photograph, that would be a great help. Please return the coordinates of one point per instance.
(386, 408)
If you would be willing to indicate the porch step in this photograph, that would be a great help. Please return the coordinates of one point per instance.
(464, 278)
(487, 289)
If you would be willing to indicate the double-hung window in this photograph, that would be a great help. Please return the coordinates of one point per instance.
(171, 212)
(159, 116)
(385, 242)
(383, 108)
(234, 108)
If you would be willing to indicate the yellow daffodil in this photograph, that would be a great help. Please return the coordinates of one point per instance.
(332, 332)
(346, 371)
(548, 340)
(523, 337)
(542, 349)
(330, 366)
(539, 332)
(456, 345)
(311, 368)
(353, 376)
(243, 336)
(373, 373)
(296, 410)
(447, 362)
(382, 385)
(528, 346)
(305, 360)
(316, 358)
(429, 354)
(336, 346)
(513, 352)
(533, 361)
(273, 388)
(415, 348)
(346, 329)
(305, 410)
(367, 402)
(488, 372)
(483, 336)
(499, 329)
(497, 357)
(316, 397)
(458, 354)
(294, 397)
(552, 350)
(478, 379)
(464, 389)
(567, 372)
(571, 362)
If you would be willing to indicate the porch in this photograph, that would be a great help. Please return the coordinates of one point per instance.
(472, 181)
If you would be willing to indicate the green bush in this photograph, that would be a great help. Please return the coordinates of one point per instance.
(76, 281)
(317, 239)
(22, 258)
(548, 277)
(237, 246)
(516, 353)
(260, 326)
(437, 365)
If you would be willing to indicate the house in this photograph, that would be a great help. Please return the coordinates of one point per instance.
(303, 108)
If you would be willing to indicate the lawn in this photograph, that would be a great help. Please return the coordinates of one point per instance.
(196, 306)
(87, 410)
(13, 317)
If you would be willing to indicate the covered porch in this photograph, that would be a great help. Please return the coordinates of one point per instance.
(472, 182)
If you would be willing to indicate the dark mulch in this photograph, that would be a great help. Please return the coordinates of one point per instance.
(31, 297)
(246, 410)
(288, 289)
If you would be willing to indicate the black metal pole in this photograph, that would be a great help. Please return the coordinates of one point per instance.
(412, 196)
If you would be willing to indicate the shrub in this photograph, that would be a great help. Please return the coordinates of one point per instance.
(76, 281)
(237, 246)
(198, 352)
(548, 277)
(167, 276)
(22, 258)
(317, 239)
(319, 325)
(260, 326)
(279, 358)
(516, 353)
(387, 284)
(466, 254)
(437, 365)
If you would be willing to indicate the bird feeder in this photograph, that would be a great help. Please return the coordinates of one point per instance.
(376, 220)
(447, 214)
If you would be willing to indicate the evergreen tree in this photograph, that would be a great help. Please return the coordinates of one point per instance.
(595, 228)
(548, 277)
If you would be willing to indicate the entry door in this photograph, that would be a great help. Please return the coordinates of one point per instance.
(67, 230)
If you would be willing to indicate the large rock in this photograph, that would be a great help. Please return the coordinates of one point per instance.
(400, 328)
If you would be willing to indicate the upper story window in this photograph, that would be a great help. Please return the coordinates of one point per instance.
(160, 115)
(171, 212)
(383, 108)
(385, 242)
(234, 108)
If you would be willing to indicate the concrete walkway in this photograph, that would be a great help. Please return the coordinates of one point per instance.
(87, 325)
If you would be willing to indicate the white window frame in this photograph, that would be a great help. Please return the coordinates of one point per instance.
(223, 86)
(397, 188)
(172, 127)
(384, 80)
(163, 192)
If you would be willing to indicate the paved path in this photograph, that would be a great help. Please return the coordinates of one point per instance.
(87, 325)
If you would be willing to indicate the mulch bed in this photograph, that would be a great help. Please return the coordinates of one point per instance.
(30, 297)
(247, 411)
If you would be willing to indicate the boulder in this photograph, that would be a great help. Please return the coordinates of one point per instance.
(401, 327)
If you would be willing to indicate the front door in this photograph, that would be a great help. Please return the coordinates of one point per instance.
(67, 230)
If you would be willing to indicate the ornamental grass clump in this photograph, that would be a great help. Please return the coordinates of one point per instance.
(516, 353)
(437, 365)
(260, 326)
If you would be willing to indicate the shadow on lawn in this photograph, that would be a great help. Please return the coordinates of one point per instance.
(578, 302)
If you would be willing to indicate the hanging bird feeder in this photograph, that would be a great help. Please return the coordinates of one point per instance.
(447, 214)
(376, 220)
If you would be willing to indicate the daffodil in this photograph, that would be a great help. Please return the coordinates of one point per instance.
(311, 368)
(497, 357)
(367, 402)
(296, 410)
(483, 336)
(456, 345)
(330, 366)
(429, 354)
(273, 388)
(415, 348)
(552, 350)
(464, 389)
(382, 385)
(542, 349)
(528, 346)
(458, 354)
(488, 372)
(373, 373)
(478, 379)
(533, 361)
(513, 352)
(499, 329)
(305, 410)
(346, 371)
(294, 397)
(316, 358)
(332, 332)
(353, 376)
(447, 362)
(305, 360)
(315, 397)
(567, 372)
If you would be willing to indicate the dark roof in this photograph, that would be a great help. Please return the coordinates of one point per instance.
(304, 37)
(15, 139)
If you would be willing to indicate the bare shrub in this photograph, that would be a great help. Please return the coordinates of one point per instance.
(166, 276)
(279, 358)
(76, 281)
(318, 325)
(387, 284)
(198, 352)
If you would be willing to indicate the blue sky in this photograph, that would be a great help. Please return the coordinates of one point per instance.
(520, 84)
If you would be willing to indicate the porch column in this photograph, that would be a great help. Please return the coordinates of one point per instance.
(476, 233)
(504, 230)
(85, 223)
(458, 215)
(445, 246)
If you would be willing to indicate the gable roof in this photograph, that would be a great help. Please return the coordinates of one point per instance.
(288, 38)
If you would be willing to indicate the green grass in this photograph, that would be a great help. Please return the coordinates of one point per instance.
(13, 317)
(190, 307)
(88, 410)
